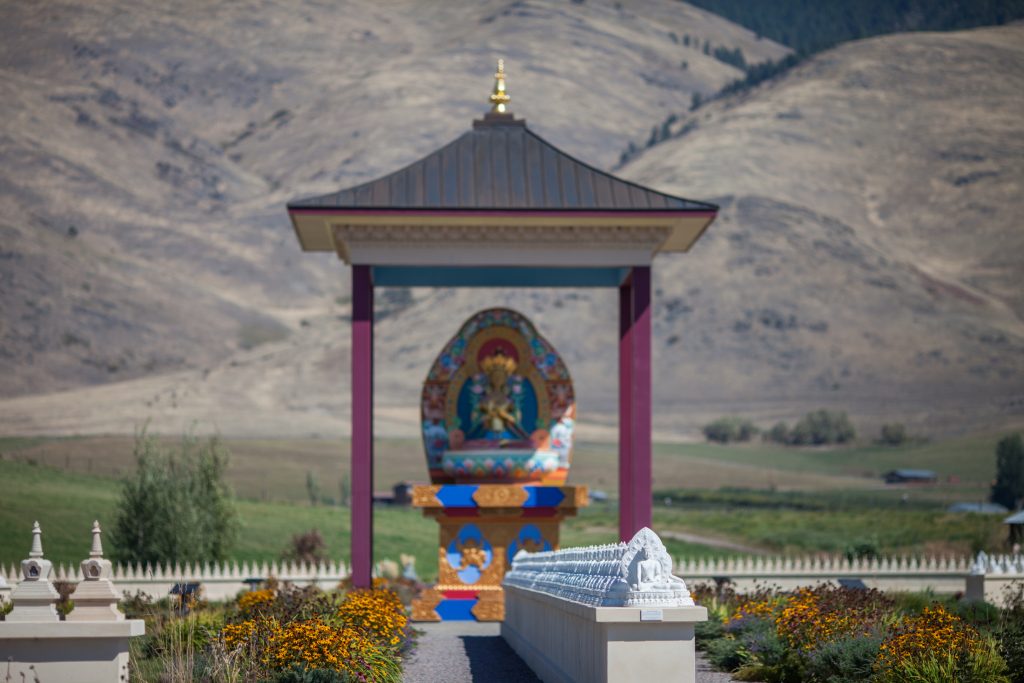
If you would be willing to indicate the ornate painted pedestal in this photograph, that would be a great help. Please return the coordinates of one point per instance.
(498, 414)
(482, 528)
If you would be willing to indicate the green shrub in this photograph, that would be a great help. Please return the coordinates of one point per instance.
(894, 434)
(862, 550)
(729, 429)
(981, 665)
(706, 631)
(822, 427)
(779, 433)
(844, 661)
(176, 506)
(1010, 632)
(981, 615)
(1010, 639)
(299, 675)
(194, 632)
(726, 654)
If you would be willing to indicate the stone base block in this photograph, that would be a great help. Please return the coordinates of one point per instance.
(83, 651)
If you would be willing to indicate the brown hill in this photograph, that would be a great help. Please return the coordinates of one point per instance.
(148, 150)
(864, 257)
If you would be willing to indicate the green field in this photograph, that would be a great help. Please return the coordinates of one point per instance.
(277, 470)
(724, 499)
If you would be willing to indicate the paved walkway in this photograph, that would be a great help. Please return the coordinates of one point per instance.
(468, 652)
(464, 652)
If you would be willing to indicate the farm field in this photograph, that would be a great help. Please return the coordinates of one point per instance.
(966, 465)
(714, 500)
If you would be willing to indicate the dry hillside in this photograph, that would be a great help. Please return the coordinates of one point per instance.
(864, 258)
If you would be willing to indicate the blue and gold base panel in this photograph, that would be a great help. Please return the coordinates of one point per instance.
(453, 609)
(481, 528)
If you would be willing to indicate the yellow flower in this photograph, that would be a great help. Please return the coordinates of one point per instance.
(377, 613)
(252, 601)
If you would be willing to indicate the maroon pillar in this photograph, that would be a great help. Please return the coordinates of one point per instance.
(361, 499)
(635, 403)
(626, 530)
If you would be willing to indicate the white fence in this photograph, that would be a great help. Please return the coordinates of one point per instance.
(943, 575)
(218, 581)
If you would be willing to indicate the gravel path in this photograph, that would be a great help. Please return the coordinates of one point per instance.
(468, 651)
(463, 652)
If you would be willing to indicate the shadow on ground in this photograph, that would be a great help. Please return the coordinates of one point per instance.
(491, 659)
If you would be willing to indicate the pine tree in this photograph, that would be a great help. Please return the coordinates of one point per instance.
(1008, 488)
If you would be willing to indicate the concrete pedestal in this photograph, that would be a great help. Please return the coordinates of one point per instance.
(481, 528)
(82, 651)
(564, 641)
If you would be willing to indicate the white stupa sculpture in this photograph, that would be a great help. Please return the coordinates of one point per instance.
(35, 598)
(95, 598)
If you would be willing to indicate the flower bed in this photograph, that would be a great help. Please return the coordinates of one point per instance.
(282, 634)
(830, 634)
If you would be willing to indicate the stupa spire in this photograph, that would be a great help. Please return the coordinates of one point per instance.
(500, 97)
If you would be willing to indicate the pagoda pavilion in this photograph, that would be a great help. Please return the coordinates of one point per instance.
(501, 207)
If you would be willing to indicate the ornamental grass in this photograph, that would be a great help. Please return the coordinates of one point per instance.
(938, 646)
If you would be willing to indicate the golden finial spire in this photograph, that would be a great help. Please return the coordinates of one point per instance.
(499, 98)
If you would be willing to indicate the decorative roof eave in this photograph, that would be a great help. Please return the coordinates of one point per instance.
(493, 237)
(499, 195)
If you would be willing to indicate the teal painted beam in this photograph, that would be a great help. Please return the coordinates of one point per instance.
(509, 276)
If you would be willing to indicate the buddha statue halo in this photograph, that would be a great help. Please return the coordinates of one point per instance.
(498, 405)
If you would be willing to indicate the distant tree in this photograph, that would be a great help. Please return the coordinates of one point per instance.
(732, 57)
(1008, 488)
(344, 491)
(312, 490)
(728, 429)
(812, 25)
(894, 434)
(176, 505)
(779, 433)
(695, 101)
(822, 427)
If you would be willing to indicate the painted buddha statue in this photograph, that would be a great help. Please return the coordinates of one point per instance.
(496, 415)
(498, 405)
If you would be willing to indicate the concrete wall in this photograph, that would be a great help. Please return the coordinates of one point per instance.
(565, 641)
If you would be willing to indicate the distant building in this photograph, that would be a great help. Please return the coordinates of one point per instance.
(910, 477)
(400, 494)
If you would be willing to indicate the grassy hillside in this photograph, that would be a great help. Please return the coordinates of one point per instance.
(771, 500)
(153, 274)
(65, 503)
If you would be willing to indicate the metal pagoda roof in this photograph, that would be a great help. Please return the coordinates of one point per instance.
(499, 206)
